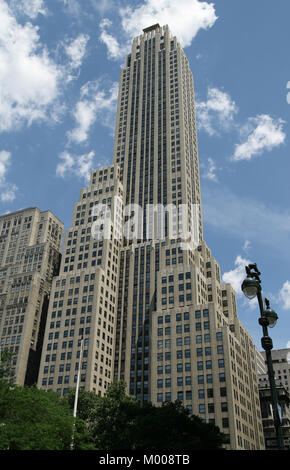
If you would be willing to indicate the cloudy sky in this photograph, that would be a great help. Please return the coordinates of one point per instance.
(60, 62)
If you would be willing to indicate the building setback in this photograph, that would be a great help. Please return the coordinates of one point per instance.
(152, 310)
(30, 245)
(84, 295)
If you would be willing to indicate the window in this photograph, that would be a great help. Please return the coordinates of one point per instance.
(224, 406)
(220, 349)
(188, 395)
(202, 408)
(201, 393)
(207, 351)
(211, 408)
(180, 396)
(207, 338)
(179, 381)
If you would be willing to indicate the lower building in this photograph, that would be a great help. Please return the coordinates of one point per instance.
(30, 244)
(281, 366)
(80, 328)
(267, 415)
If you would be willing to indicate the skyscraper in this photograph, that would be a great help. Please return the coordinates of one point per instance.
(150, 305)
(178, 335)
(30, 245)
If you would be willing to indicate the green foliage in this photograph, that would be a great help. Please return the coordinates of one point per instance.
(171, 427)
(117, 421)
(6, 365)
(32, 419)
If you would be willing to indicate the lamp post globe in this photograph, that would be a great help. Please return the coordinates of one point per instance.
(271, 316)
(250, 287)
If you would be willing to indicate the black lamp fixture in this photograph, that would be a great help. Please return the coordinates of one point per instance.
(251, 287)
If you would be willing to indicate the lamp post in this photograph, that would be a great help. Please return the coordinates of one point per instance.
(251, 287)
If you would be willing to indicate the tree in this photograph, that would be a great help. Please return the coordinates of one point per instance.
(6, 372)
(113, 420)
(117, 421)
(170, 426)
(33, 419)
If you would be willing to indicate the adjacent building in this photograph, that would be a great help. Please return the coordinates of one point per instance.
(30, 246)
(268, 417)
(281, 366)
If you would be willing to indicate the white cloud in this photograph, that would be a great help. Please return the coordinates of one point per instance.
(72, 6)
(76, 50)
(246, 219)
(4, 162)
(8, 190)
(260, 133)
(29, 79)
(9, 194)
(102, 5)
(94, 102)
(210, 171)
(246, 246)
(31, 8)
(217, 112)
(284, 295)
(80, 166)
(236, 276)
(184, 17)
(115, 50)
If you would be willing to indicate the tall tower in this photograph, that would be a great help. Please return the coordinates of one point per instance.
(30, 245)
(178, 335)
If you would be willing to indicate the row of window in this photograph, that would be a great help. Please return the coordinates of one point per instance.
(187, 380)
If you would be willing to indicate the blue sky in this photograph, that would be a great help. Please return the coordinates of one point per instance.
(59, 70)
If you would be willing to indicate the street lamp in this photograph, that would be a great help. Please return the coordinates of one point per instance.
(251, 287)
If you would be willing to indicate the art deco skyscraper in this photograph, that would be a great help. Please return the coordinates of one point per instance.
(178, 335)
(30, 245)
(151, 308)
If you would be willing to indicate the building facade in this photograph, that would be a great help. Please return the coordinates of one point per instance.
(281, 366)
(30, 246)
(146, 301)
(268, 418)
(82, 309)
